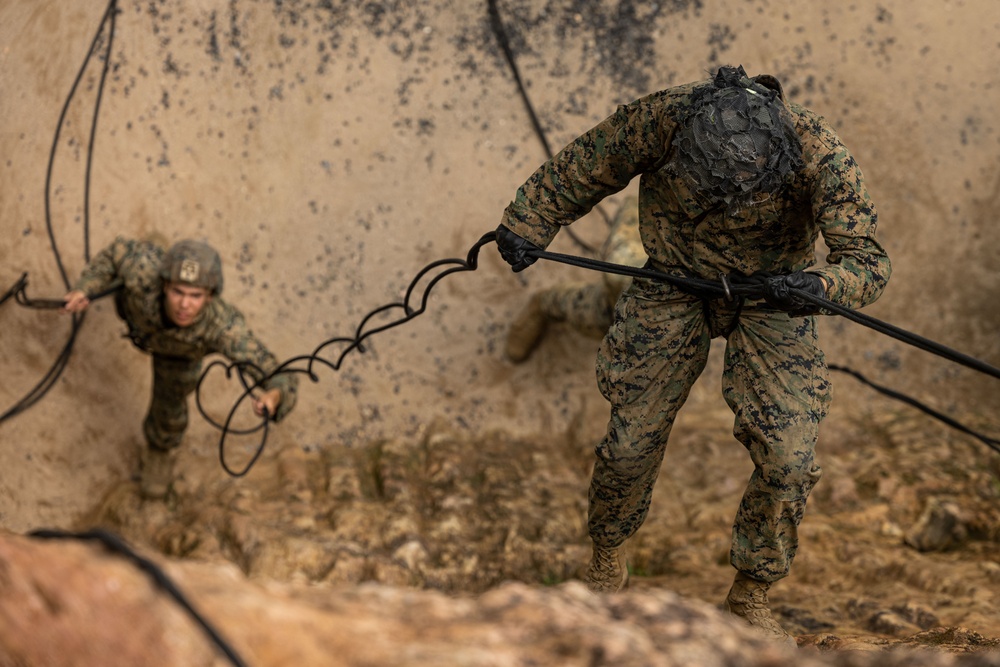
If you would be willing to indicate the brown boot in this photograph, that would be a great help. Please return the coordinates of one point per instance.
(157, 473)
(608, 571)
(526, 330)
(748, 600)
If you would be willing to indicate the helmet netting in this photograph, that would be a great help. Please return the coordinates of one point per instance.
(737, 140)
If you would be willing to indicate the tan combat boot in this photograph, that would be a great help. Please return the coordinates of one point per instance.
(157, 473)
(526, 330)
(608, 571)
(748, 599)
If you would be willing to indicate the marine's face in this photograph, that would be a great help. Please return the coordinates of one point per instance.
(184, 302)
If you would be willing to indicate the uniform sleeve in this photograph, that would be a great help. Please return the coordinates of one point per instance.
(597, 164)
(857, 267)
(238, 343)
(104, 268)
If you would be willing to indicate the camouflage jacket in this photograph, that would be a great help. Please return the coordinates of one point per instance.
(681, 235)
(220, 327)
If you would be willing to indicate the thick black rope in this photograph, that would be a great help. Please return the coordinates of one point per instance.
(992, 443)
(48, 380)
(243, 372)
(496, 23)
(381, 319)
(43, 386)
(117, 545)
(756, 291)
(722, 288)
(726, 289)
(905, 336)
(109, 20)
(19, 293)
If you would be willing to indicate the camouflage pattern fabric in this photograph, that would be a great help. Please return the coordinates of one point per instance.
(739, 142)
(683, 233)
(177, 351)
(775, 378)
(174, 380)
(775, 381)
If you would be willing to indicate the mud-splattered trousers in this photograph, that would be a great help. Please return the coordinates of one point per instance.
(775, 377)
(177, 352)
(775, 381)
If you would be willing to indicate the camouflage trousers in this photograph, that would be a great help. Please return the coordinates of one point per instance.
(775, 381)
(167, 420)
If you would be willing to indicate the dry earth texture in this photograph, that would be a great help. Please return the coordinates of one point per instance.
(425, 503)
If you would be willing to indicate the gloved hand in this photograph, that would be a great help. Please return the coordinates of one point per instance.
(514, 249)
(777, 292)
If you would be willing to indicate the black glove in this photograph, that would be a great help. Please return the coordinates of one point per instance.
(514, 249)
(777, 292)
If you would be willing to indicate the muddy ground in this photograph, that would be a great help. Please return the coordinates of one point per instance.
(900, 540)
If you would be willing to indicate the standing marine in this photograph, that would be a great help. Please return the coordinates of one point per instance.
(734, 181)
(169, 299)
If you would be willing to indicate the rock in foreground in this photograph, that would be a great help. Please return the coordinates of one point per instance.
(71, 601)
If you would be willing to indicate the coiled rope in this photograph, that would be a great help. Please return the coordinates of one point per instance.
(406, 310)
(381, 319)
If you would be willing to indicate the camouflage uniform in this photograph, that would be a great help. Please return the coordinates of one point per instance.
(775, 378)
(177, 351)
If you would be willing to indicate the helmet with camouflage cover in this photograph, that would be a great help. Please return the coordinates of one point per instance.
(736, 140)
(194, 263)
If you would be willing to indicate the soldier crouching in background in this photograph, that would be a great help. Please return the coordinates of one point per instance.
(585, 307)
(170, 302)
